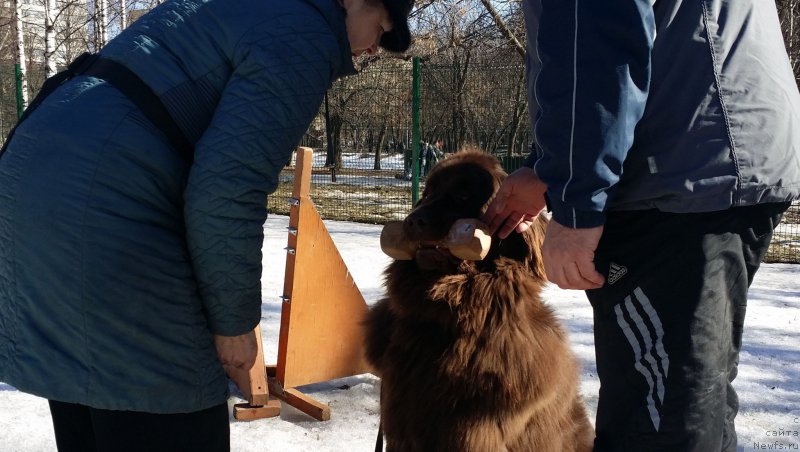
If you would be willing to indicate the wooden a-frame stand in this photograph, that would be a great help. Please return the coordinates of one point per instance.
(320, 336)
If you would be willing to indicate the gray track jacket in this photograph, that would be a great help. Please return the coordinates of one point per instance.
(683, 106)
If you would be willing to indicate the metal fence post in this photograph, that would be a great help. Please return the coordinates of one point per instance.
(330, 157)
(415, 132)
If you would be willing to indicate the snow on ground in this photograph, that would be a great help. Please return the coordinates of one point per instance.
(389, 161)
(768, 382)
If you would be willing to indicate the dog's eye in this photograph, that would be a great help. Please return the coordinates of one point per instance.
(463, 197)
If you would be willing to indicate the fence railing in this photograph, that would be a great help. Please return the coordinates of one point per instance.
(354, 192)
(357, 192)
(785, 245)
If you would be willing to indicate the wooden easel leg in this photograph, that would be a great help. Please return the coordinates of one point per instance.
(292, 397)
(253, 384)
(247, 412)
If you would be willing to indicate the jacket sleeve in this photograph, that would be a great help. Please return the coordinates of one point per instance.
(591, 88)
(276, 88)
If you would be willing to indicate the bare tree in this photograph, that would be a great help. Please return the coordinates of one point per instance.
(101, 19)
(73, 20)
(789, 13)
(501, 25)
(49, 38)
(123, 14)
(472, 74)
(8, 110)
(20, 53)
(473, 88)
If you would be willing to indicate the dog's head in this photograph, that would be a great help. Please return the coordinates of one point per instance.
(458, 187)
(461, 186)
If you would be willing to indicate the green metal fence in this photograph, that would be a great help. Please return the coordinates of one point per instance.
(362, 141)
(366, 174)
(785, 245)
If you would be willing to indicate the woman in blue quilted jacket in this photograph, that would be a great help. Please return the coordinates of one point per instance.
(133, 200)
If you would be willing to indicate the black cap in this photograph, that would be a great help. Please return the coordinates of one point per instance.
(399, 38)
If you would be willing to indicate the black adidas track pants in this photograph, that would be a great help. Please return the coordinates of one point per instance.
(668, 325)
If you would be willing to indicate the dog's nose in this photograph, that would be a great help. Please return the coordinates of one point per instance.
(414, 226)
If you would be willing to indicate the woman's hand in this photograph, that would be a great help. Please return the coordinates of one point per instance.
(237, 351)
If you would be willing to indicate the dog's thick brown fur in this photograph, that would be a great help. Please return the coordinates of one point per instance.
(469, 357)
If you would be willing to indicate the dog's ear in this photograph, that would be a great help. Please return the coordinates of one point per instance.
(526, 247)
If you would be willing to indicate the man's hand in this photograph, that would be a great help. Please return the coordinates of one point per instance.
(518, 201)
(237, 351)
(569, 256)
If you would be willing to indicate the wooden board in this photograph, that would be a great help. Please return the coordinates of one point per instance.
(314, 408)
(247, 412)
(321, 333)
(253, 382)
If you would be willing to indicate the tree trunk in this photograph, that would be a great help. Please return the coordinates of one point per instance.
(459, 105)
(357, 140)
(336, 132)
(517, 113)
(123, 15)
(379, 147)
(501, 25)
(101, 21)
(49, 38)
(21, 52)
(790, 45)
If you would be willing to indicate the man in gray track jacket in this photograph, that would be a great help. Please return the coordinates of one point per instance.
(667, 148)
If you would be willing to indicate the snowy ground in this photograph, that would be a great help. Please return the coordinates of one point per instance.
(768, 382)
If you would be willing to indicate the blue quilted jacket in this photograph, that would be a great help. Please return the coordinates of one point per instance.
(119, 260)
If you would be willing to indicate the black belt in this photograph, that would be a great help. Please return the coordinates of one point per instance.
(129, 84)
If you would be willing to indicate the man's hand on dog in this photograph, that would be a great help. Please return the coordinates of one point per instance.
(518, 201)
(569, 256)
(568, 253)
(237, 351)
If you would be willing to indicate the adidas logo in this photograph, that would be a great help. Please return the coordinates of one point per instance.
(615, 272)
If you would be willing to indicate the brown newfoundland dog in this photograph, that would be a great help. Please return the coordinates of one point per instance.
(469, 356)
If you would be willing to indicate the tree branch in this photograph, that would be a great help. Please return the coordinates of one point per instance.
(504, 28)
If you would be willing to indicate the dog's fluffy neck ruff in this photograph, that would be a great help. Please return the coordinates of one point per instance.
(432, 300)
